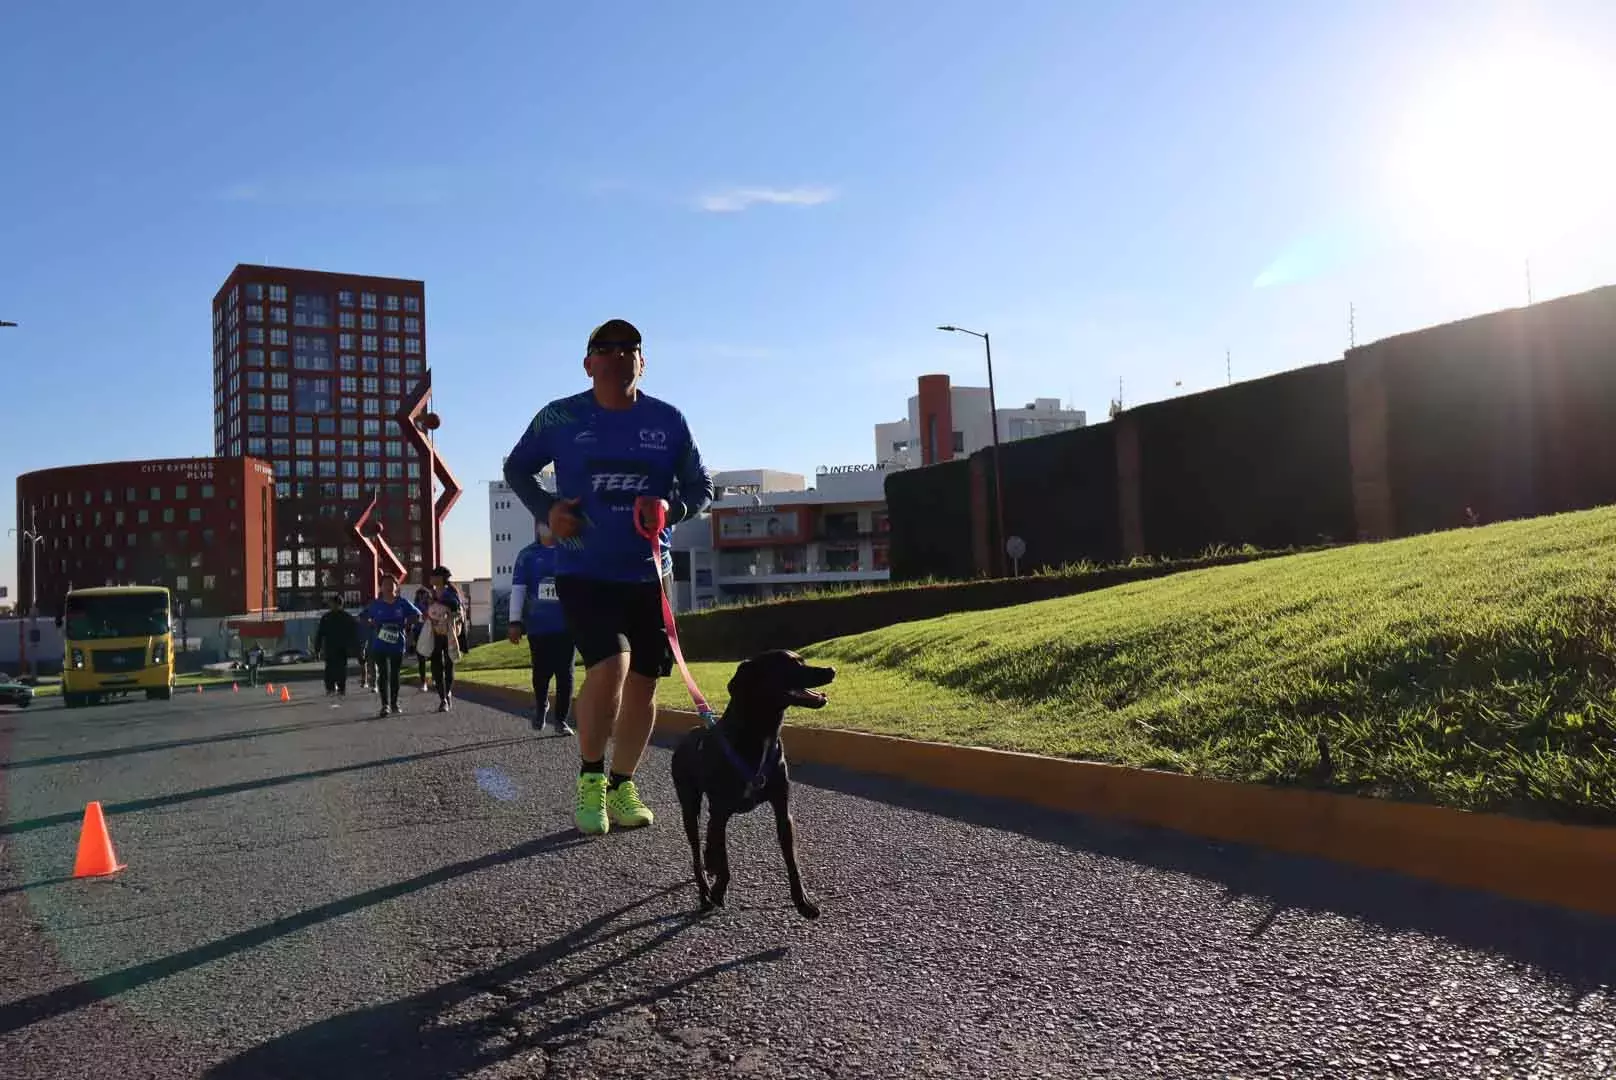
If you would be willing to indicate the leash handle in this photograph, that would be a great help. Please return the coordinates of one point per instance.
(654, 534)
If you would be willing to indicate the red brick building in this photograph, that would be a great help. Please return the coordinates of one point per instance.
(201, 526)
(322, 375)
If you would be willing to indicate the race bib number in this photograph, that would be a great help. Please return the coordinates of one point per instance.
(390, 635)
(545, 590)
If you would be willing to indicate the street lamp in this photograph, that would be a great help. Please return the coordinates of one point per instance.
(998, 476)
(33, 538)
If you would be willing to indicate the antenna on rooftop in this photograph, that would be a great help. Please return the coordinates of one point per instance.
(1352, 327)
(1228, 366)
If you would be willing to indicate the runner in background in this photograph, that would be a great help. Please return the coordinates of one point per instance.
(423, 597)
(619, 454)
(536, 612)
(389, 617)
(443, 617)
(335, 639)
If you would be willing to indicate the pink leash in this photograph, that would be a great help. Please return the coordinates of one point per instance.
(655, 536)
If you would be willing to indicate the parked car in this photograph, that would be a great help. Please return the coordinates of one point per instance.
(15, 693)
(292, 656)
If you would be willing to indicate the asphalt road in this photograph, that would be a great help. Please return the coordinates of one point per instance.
(314, 893)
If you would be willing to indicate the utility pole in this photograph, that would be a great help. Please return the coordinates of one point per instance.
(1228, 367)
(1352, 326)
(33, 539)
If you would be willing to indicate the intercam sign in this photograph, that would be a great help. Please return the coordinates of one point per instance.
(835, 470)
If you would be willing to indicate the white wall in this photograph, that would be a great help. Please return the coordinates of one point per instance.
(510, 527)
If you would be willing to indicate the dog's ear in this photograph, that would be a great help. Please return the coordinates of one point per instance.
(744, 672)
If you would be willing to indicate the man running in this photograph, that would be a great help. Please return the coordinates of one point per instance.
(618, 453)
(423, 597)
(390, 617)
(536, 611)
(335, 637)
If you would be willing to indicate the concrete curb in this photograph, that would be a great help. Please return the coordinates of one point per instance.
(1568, 866)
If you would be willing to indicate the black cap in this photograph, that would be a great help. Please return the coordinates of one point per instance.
(615, 330)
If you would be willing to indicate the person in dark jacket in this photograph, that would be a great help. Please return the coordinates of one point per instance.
(423, 597)
(335, 639)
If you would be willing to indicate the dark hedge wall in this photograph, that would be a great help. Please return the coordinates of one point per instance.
(929, 510)
(1506, 414)
(1262, 462)
(1060, 496)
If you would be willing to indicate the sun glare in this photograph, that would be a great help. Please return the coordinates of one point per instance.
(1510, 150)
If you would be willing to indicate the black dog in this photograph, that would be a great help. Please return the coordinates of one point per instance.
(738, 764)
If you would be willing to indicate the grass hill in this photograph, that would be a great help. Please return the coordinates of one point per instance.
(1471, 668)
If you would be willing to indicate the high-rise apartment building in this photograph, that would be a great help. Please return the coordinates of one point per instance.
(315, 373)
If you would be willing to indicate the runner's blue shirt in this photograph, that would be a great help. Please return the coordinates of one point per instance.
(533, 596)
(606, 458)
(389, 619)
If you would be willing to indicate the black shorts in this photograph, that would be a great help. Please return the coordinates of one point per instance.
(610, 617)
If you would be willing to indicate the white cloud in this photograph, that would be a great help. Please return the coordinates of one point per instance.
(735, 200)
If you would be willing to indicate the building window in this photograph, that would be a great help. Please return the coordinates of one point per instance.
(194, 513)
(412, 325)
(277, 294)
(279, 402)
(345, 320)
(367, 343)
(412, 345)
(277, 315)
(367, 322)
(367, 300)
(278, 337)
(181, 491)
(412, 303)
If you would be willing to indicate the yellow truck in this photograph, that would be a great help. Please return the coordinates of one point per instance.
(118, 640)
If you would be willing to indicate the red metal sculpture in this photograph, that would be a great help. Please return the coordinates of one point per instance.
(416, 421)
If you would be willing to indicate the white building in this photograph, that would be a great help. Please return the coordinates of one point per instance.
(510, 528)
(770, 541)
(947, 422)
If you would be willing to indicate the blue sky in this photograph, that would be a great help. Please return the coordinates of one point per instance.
(786, 198)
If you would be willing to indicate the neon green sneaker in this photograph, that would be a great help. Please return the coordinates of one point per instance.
(591, 812)
(624, 805)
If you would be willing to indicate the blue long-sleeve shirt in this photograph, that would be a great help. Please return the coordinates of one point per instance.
(607, 458)
(533, 596)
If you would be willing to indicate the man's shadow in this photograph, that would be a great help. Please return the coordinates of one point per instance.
(443, 1032)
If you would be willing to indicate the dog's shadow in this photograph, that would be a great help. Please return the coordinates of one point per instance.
(484, 1017)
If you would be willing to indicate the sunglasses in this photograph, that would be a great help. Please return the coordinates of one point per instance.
(603, 347)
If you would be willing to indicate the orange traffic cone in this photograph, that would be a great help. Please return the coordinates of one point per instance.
(271, 689)
(199, 688)
(235, 688)
(285, 695)
(95, 857)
